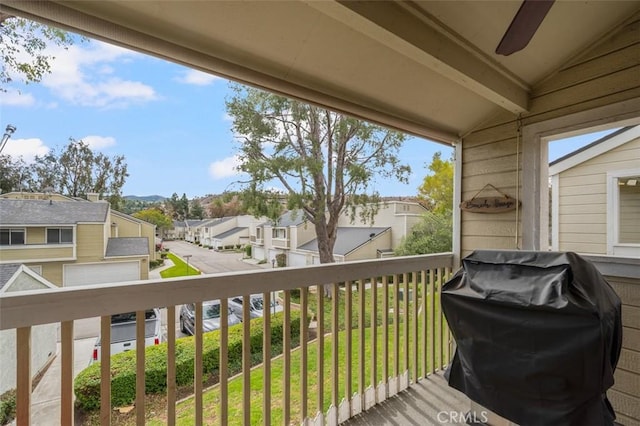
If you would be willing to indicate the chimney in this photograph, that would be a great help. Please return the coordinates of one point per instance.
(93, 196)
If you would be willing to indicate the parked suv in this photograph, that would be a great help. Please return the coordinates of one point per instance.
(210, 317)
(123, 332)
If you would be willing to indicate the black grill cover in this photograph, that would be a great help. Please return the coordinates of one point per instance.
(538, 336)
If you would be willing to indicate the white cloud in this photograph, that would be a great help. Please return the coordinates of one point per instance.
(224, 168)
(15, 98)
(197, 78)
(84, 75)
(25, 148)
(98, 142)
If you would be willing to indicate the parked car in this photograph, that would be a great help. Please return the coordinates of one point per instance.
(123, 332)
(256, 306)
(210, 317)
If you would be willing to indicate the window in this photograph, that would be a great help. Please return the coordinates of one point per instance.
(59, 235)
(623, 213)
(280, 233)
(11, 236)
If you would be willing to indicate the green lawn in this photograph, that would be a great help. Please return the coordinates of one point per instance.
(211, 398)
(179, 268)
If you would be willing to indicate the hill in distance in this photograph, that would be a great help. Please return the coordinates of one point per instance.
(145, 198)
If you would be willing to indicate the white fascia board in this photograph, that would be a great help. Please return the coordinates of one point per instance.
(594, 151)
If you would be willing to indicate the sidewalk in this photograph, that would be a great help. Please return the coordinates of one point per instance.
(45, 399)
(155, 273)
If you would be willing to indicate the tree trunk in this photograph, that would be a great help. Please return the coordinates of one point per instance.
(326, 242)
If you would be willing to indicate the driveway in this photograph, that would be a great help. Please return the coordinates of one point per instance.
(209, 261)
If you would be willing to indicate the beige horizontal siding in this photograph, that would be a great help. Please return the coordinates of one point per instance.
(582, 219)
(593, 189)
(588, 237)
(571, 209)
(590, 179)
(584, 248)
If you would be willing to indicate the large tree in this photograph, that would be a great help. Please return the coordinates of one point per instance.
(155, 216)
(13, 174)
(76, 171)
(23, 49)
(433, 234)
(325, 162)
(436, 190)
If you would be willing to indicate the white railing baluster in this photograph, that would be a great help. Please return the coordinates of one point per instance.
(406, 317)
(66, 373)
(396, 331)
(432, 326)
(140, 370)
(266, 359)
(416, 345)
(304, 363)
(171, 365)
(374, 337)
(320, 346)
(335, 330)
(423, 318)
(361, 361)
(385, 334)
(105, 370)
(246, 361)
(197, 366)
(23, 376)
(286, 349)
(224, 361)
(348, 376)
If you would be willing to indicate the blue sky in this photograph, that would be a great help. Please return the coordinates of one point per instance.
(168, 121)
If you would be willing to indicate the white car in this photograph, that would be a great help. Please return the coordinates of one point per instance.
(123, 332)
(256, 306)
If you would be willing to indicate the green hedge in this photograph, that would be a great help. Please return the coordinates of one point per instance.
(7, 406)
(123, 365)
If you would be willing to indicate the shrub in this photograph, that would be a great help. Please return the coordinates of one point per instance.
(281, 260)
(123, 365)
(247, 250)
(7, 406)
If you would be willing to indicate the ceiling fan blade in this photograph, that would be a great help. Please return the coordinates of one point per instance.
(524, 26)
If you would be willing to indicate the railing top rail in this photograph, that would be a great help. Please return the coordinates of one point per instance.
(22, 309)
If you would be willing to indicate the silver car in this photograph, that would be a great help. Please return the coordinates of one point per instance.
(210, 317)
(256, 306)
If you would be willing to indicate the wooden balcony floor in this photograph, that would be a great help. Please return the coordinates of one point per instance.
(419, 405)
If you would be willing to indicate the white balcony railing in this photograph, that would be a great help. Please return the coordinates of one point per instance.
(380, 331)
(280, 242)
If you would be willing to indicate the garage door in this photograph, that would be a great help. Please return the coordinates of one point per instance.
(100, 273)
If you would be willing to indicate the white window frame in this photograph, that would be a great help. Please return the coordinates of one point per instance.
(59, 228)
(614, 247)
(11, 229)
(274, 233)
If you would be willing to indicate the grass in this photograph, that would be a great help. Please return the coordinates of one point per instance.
(179, 268)
(396, 335)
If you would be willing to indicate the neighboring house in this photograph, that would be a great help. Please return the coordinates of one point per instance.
(221, 232)
(177, 232)
(596, 197)
(293, 235)
(17, 277)
(74, 242)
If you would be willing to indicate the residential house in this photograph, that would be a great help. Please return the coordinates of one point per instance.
(16, 277)
(176, 232)
(434, 69)
(356, 239)
(596, 197)
(73, 242)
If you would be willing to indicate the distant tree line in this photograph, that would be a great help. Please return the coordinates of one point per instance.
(74, 171)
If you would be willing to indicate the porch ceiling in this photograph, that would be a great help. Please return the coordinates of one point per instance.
(426, 67)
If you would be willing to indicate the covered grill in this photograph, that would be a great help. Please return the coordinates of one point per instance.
(538, 336)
